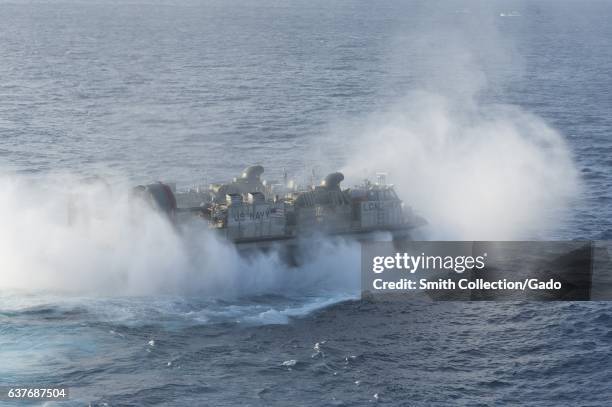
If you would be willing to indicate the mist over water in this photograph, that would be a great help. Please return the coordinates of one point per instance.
(476, 172)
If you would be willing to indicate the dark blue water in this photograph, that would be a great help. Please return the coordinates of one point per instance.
(196, 91)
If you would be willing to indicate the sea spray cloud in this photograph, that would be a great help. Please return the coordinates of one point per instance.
(60, 234)
(475, 171)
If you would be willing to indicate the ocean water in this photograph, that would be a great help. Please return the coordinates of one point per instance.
(194, 92)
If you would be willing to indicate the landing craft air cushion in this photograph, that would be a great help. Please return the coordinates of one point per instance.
(251, 212)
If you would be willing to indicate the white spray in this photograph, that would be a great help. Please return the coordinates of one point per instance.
(477, 173)
(64, 235)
